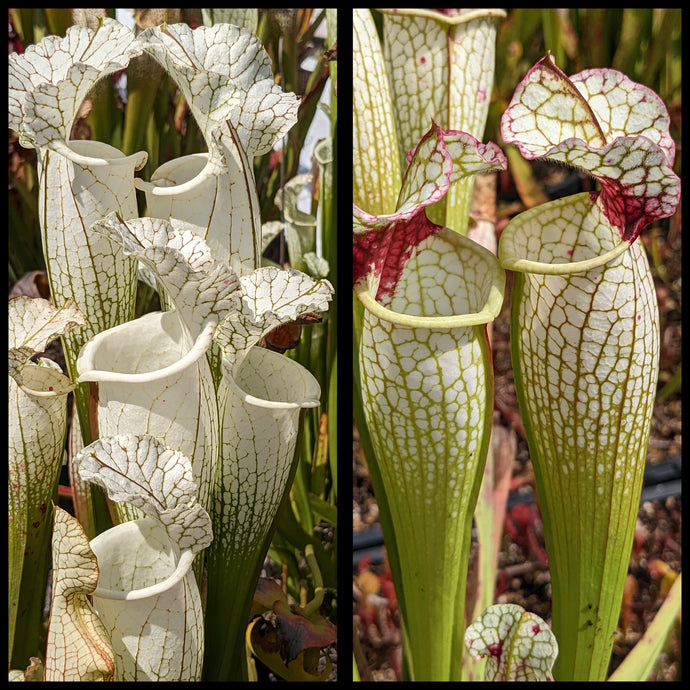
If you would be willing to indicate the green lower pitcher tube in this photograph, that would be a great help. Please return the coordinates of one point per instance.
(585, 349)
(427, 389)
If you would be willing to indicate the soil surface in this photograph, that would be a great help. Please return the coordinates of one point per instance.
(523, 575)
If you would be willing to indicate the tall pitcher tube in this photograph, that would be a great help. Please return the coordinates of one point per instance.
(151, 380)
(148, 599)
(427, 388)
(262, 402)
(80, 181)
(585, 338)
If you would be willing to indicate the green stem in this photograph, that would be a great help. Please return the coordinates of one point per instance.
(313, 606)
(29, 630)
(144, 77)
(638, 664)
(376, 479)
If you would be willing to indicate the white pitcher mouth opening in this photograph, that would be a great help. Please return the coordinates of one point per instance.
(97, 154)
(566, 236)
(130, 531)
(481, 304)
(96, 349)
(177, 176)
(304, 389)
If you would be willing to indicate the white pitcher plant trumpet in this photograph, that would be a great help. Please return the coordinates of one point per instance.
(585, 335)
(154, 378)
(152, 372)
(441, 66)
(147, 596)
(79, 181)
(427, 384)
(37, 427)
(261, 398)
(226, 77)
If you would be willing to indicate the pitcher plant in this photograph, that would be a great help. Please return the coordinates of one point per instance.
(427, 384)
(207, 298)
(37, 428)
(78, 646)
(585, 335)
(427, 294)
(79, 181)
(225, 75)
(441, 65)
(147, 596)
(153, 374)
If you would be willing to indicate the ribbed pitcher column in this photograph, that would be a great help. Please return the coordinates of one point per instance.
(261, 405)
(82, 181)
(585, 337)
(79, 181)
(148, 598)
(427, 387)
(36, 432)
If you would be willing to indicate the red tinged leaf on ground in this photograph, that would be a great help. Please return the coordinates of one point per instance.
(285, 640)
(296, 632)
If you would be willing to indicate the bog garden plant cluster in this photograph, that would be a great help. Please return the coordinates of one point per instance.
(184, 432)
(193, 448)
(584, 338)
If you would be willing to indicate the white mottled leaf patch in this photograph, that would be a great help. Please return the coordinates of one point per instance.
(78, 646)
(269, 297)
(517, 644)
(382, 244)
(33, 324)
(49, 81)
(604, 123)
(199, 288)
(225, 74)
(143, 472)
